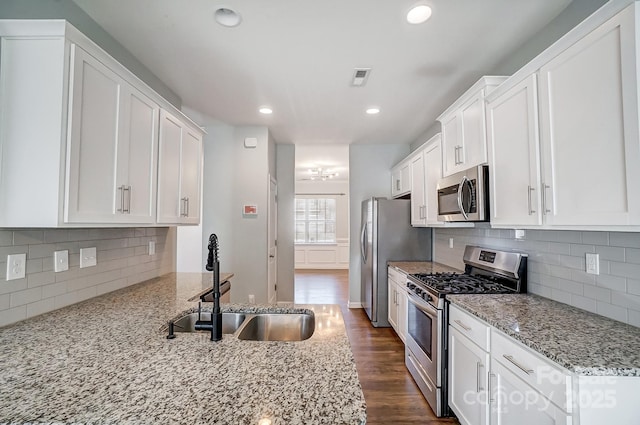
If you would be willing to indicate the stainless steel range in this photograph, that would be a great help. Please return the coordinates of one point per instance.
(487, 271)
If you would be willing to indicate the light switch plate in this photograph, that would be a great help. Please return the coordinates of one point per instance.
(16, 266)
(152, 248)
(519, 234)
(88, 257)
(61, 261)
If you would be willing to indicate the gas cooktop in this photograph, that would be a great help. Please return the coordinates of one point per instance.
(460, 283)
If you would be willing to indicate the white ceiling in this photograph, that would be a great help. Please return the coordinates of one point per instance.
(298, 56)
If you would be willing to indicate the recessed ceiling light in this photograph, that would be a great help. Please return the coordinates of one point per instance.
(265, 110)
(373, 111)
(419, 14)
(227, 17)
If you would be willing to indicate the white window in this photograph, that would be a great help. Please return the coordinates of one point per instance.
(315, 220)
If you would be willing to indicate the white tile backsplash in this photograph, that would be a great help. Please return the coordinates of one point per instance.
(556, 265)
(122, 256)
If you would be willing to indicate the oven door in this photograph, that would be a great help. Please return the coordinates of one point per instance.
(424, 336)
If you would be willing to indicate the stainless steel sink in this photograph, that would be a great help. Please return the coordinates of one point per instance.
(256, 326)
(278, 327)
(230, 322)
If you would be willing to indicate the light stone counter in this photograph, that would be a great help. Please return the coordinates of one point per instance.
(582, 342)
(107, 361)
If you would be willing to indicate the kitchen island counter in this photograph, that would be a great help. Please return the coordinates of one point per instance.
(107, 361)
(582, 342)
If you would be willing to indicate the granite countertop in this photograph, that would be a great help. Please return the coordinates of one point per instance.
(413, 267)
(582, 342)
(107, 361)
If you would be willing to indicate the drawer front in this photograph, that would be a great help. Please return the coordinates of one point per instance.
(398, 277)
(542, 374)
(470, 326)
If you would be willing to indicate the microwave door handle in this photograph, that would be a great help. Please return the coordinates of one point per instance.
(460, 186)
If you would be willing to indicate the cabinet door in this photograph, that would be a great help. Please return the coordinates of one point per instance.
(191, 170)
(418, 205)
(451, 144)
(402, 313)
(514, 402)
(512, 124)
(432, 174)
(474, 140)
(589, 129)
(393, 306)
(137, 157)
(170, 146)
(468, 377)
(94, 112)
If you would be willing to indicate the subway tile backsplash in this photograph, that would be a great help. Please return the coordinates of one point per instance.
(557, 265)
(122, 256)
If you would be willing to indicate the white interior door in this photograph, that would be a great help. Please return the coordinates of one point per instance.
(272, 247)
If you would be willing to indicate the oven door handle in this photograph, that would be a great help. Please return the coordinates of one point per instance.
(423, 306)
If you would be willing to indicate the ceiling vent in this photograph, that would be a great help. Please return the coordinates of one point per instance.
(360, 76)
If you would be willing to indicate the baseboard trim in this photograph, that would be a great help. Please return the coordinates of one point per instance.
(352, 304)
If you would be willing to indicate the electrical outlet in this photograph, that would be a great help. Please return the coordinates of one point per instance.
(450, 242)
(61, 261)
(519, 234)
(593, 263)
(16, 266)
(152, 248)
(88, 257)
(252, 299)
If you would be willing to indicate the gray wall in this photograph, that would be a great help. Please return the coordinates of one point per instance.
(557, 265)
(67, 9)
(286, 195)
(122, 256)
(369, 175)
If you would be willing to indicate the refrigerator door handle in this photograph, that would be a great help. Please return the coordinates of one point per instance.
(363, 236)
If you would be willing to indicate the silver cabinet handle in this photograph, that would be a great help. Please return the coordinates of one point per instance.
(478, 386)
(518, 365)
(183, 207)
(462, 325)
(491, 399)
(531, 210)
(121, 209)
(398, 185)
(126, 210)
(545, 210)
(188, 208)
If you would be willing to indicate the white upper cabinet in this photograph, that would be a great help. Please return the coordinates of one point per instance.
(418, 194)
(401, 179)
(564, 154)
(79, 134)
(589, 128)
(179, 172)
(112, 147)
(464, 140)
(514, 158)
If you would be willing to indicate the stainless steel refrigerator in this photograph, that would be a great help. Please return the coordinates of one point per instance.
(386, 235)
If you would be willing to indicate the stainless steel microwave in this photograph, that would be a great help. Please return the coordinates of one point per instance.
(464, 196)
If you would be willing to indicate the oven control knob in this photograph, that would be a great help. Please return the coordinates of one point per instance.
(418, 291)
(410, 285)
(427, 297)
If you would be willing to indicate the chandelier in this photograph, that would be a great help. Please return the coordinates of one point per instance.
(321, 174)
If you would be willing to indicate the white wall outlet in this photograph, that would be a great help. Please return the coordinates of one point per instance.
(88, 257)
(16, 266)
(152, 248)
(252, 299)
(61, 261)
(593, 263)
(519, 234)
(450, 242)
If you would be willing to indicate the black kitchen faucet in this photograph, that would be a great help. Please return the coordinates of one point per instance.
(213, 264)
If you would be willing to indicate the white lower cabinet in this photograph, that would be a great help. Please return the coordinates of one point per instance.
(468, 379)
(515, 402)
(397, 302)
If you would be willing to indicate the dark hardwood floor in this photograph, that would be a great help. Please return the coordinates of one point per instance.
(391, 395)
